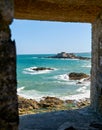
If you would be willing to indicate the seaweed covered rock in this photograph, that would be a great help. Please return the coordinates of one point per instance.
(26, 105)
(51, 102)
(77, 76)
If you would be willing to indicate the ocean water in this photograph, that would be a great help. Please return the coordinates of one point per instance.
(32, 84)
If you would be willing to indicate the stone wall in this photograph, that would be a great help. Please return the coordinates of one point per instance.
(96, 81)
(8, 96)
(8, 83)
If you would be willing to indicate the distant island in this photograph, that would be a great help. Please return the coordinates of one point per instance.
(69, 55)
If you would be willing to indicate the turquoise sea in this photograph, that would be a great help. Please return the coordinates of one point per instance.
(32, 84)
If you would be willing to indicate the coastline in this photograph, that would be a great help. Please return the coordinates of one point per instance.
(48, 104)
(44, 84)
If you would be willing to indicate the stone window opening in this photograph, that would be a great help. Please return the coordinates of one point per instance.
(19, 43)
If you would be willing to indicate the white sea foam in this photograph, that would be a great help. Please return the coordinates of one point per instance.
(32, 72)
(38, 95)
(82, 89)
(34, 94)
(85, 81)
(19, 89)
(87, 66)
(77, 96)
(64, 77)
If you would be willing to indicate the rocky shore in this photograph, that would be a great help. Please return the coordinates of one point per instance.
(48, 104)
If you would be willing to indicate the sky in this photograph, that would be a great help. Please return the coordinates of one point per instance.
(43, 37)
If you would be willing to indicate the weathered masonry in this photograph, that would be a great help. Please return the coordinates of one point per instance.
(89, 11)
(8, 96)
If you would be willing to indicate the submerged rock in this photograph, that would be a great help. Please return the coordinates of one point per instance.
(41, 68)
(77, 76)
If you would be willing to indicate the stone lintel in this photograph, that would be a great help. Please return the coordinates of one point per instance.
(58, 10)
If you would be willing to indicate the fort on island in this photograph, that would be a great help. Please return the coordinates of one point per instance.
(49, 10)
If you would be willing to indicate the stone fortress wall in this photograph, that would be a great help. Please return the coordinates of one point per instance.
(89, 11)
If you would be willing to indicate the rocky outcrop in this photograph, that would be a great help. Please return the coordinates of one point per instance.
(41, 69)
(77, 76)
(64, 55)
(69, 55)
